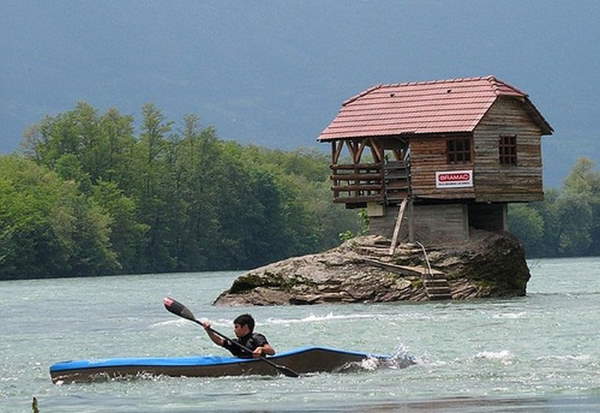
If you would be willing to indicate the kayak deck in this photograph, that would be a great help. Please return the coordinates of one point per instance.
(302, 360)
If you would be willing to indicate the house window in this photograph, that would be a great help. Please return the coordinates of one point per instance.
(508, 150)
(459, 150)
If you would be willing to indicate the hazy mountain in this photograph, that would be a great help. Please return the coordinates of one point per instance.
(275, 72)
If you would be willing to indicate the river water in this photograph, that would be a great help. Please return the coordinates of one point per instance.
(535, 353)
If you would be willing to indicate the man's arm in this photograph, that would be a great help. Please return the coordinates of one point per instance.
(215, 338)
(265, 349)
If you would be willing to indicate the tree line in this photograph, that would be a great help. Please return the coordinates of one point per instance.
(88, 196)
(567, 222)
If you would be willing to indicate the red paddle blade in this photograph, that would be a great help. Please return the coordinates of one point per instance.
(177, 308)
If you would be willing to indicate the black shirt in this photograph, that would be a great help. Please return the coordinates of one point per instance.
(251, 341)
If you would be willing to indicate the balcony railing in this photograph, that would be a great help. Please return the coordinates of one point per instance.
(357, 184)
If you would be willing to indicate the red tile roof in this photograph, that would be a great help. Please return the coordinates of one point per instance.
(441, 106)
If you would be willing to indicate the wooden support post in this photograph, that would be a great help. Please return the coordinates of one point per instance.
(361, 147)
(376, 151)
(333, 150)
(411, 221)
(351, 148)
(336, 150)
(397, 226)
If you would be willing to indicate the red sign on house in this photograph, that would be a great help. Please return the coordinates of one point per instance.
(454, 179)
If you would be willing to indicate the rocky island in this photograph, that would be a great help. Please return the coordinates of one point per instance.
(361, 270)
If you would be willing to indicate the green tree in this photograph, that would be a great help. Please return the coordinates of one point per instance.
(197, 170)
(117, 145)
(98, 146)
(575, 216)
(151, 170)
(579, 210)
(68, 168)
(570, 217)
(528, 225)
(48, 227)
(126, 233)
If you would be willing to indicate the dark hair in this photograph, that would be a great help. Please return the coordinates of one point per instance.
(245, 320)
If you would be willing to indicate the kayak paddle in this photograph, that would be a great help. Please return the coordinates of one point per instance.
(181, 310)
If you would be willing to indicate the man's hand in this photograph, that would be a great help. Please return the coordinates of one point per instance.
(215, 338)
(258, 352)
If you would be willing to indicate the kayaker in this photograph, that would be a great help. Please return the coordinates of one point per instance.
(243, 328)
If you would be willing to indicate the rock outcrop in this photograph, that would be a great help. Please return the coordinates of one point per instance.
(361, 270)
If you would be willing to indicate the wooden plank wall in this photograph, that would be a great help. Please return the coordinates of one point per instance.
(433, 223)
(428, 156)
(505, 183)
(436, 224)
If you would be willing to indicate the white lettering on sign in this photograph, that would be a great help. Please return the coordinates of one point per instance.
(454, 179)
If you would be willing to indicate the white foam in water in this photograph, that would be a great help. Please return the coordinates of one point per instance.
(510, 315)
(316, 318)
(401, 358)
(494, 354)
(177, 322)
(370, 364)
(312, 318)
(503, 356)
(398, 360)
(401, 352)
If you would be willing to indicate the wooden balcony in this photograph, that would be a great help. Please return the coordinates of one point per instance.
(357, 184)
(396, 181)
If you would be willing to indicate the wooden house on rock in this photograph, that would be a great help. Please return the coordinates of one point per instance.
(444, 157)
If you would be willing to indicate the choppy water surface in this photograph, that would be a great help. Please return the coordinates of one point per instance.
(534, 353)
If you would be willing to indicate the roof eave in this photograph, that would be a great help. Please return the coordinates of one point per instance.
(399, 134)
(539, 118)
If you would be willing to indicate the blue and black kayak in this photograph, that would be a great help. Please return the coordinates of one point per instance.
(302, 360)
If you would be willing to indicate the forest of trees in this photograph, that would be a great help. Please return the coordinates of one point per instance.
(88, 196)
(567, 222)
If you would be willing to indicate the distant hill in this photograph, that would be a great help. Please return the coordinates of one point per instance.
(274, 73)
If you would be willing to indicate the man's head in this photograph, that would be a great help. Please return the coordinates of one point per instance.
(243, 325)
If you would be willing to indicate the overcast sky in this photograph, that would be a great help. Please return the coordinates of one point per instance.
(275, 72)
